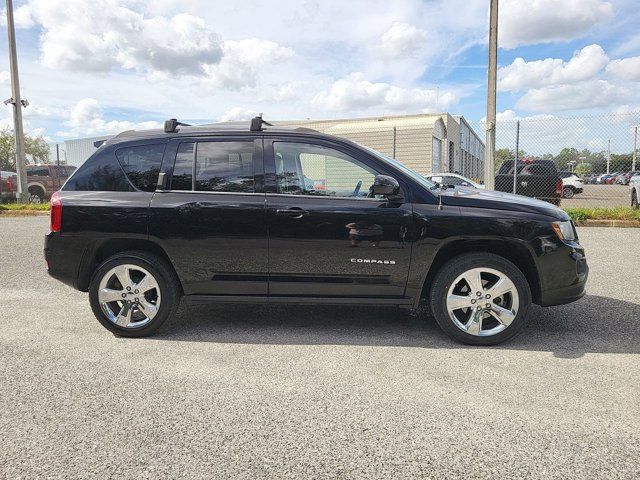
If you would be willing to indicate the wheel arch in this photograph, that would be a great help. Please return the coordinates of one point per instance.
(102, 251)
(514, 251)
(37, 186)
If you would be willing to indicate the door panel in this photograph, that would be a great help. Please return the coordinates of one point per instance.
(216, 239)
(326, 236)
(337, 247)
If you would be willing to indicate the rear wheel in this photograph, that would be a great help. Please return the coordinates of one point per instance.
(36, 195)
(480, 299)
(567, 192)
(133, 293)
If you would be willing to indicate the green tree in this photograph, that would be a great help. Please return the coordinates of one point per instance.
(35, 147)
(583, 169)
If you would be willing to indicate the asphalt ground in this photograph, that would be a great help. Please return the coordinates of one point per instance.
(250, 391)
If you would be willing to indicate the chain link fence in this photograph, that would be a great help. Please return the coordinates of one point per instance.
(582, 161)
(594, 155)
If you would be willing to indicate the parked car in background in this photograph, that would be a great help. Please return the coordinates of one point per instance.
(452, 179)
(626, 178)
(8, 186)
(634, 183)
(534, 178)
(44, 180)
(571, 184)
(611, 178)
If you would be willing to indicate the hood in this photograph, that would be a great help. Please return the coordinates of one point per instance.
(473, 197)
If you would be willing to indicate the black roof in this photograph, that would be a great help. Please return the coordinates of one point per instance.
(230, 128)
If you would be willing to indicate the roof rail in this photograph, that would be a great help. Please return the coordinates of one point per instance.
(171, 125)
(257, 122)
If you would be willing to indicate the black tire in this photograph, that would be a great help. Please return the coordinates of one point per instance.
(567, 192)
(36, 196)
(634, 200)
(167, 281)
(456, 267)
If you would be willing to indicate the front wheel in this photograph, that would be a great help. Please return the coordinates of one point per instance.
(480, 299)
(133, 293)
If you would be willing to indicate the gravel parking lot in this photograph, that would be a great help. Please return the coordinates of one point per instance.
(267, 392)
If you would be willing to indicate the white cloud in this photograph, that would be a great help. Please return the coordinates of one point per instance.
(625, 68)
(355, 93)
(5, 78)
(522, 75)
(86, 118)
(583, 95)
(100, 35)
(402, 40)
(596, 144)
(237, 114)
(528, 22)
(241, 62)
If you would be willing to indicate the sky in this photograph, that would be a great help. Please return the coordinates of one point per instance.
(95, 67)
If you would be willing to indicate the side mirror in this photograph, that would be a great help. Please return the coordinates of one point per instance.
(385, 186)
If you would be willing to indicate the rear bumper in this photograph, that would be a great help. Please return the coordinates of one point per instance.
(63, 259)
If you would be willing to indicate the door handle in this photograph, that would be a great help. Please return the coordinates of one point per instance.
(293, 212)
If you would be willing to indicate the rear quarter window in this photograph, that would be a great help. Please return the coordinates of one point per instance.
(101, 172)
(141, 163)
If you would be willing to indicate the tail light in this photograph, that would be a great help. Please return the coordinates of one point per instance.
(10, 185)
(559, 186)
(56, 212)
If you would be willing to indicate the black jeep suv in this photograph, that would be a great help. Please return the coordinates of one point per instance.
(258, 214)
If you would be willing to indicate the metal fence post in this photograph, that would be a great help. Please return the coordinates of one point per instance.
(635, 147)
(515, 159)
(394, 143)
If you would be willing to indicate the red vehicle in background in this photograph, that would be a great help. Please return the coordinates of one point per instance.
(8, 186)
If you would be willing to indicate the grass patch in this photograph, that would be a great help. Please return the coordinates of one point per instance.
(39, 207)
(618, 213)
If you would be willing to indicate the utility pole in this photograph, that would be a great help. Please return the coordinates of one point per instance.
(18, 103)
(608, 155)
(57, 153)
(490, 147)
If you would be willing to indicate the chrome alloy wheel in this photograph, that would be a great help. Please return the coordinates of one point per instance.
(129, 296)
(482, 301)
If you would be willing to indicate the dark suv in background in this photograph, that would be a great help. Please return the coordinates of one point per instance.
(239, 214)
(534, 178)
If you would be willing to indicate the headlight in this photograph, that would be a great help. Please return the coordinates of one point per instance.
(564, 230)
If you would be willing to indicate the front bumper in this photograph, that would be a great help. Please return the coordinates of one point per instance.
(568, 280)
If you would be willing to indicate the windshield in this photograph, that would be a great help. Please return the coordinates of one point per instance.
(414, 175)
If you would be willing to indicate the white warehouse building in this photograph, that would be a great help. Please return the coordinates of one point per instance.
(427, 143)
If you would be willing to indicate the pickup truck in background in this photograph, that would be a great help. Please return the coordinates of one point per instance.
(534, 178)
(44, 180)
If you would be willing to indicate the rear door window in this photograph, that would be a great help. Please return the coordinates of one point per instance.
(218, 167)
(142, 164)
(224, 167)
(182, 177)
